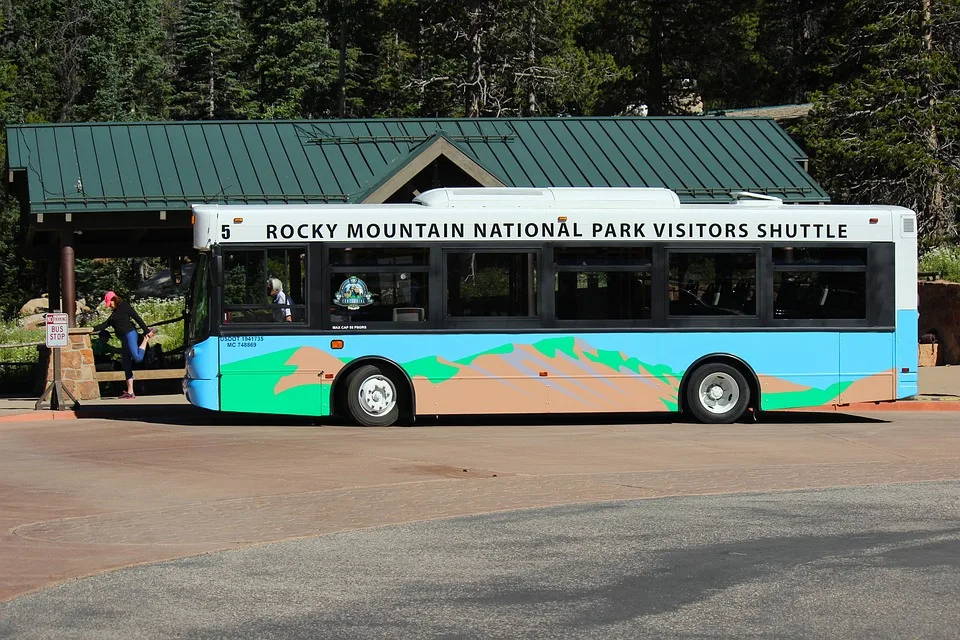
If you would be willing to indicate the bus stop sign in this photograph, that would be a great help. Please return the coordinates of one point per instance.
(57, 330)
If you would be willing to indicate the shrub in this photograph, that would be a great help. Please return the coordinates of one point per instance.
(944, 260)
(13, 333)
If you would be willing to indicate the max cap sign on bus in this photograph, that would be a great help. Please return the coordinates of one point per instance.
(353, 294)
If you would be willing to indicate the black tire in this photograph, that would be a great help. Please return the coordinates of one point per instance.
(381, 406)
(730, 384)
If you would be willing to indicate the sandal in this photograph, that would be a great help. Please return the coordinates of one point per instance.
(126, 396)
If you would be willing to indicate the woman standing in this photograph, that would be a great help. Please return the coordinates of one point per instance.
(121, 319)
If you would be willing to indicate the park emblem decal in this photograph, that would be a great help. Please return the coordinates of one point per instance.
(353, 294)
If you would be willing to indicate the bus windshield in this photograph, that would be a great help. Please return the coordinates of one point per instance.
(199, 326)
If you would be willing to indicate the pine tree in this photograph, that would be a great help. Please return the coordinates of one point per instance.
(17, 275)
(112, 66)
(888, 130)
(488, 58)
(294, 59)
(791, 45)
(677, 50)
(211, 44)
(30, 43)
(546, 68)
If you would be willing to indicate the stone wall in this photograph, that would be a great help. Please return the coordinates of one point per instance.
(940, 314)
(77, 371)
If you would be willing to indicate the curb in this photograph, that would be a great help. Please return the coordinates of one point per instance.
(32, 416)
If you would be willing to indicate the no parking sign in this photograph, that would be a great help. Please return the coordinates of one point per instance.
(57, 330)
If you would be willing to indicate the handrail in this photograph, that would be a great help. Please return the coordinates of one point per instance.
(20, 345)
(170, 321)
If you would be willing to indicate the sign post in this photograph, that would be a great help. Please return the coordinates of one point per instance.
(56, 338)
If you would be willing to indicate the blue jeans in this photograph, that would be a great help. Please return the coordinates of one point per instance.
(131, 352)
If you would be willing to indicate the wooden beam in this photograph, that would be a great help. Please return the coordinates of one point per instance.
(146, 250)
(439, 147)
(84, 220)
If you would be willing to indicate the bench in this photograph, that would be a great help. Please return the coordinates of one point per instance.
(142, 374)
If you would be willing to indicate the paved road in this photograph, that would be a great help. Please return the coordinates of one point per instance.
(871, 562)
(84, 496)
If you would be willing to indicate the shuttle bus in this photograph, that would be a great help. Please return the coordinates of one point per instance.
(539, 301)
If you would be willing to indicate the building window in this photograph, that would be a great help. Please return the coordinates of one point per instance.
(603, 283)
(246, 298)
(712, 284)
(490, 285)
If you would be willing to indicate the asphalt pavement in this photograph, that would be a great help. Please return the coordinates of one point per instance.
(868, 562)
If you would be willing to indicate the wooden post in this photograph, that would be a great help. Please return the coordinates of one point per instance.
(68, 277)
(53, 280)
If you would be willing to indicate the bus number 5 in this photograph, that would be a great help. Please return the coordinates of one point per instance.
(225, 232)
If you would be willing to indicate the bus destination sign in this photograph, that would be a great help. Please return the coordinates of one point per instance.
(339, 231)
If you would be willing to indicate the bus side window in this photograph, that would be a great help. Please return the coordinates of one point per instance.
(246, 272)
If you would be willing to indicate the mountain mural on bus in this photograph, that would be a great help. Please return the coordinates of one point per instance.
(510, 373)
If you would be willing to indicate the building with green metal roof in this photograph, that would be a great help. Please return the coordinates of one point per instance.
(122, 189)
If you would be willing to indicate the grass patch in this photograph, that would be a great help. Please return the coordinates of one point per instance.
(944, 260)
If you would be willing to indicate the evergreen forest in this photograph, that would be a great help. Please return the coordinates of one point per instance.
(883, 75)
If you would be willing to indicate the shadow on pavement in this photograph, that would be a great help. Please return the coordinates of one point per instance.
(187, 415)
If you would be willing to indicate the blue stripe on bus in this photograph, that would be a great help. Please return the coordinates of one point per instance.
(907, 356)
(203, 393)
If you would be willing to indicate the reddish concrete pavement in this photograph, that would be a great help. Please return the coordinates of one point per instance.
(83, 496)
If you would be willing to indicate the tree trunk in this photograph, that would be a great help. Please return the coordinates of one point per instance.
(211, 84)
(939, 218)
(475, 65)
(656, 98)
(343, 59)
(532, 63)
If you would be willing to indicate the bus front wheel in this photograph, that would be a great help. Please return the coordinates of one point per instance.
(717, 394)
(372, 398)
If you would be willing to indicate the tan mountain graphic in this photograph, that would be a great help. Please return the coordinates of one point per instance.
(875, 388)
(528, 381)
(311, 363)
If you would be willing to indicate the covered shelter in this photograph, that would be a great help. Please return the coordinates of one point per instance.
(109, 190)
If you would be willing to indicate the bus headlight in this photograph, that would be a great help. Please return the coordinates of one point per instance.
(191, 353)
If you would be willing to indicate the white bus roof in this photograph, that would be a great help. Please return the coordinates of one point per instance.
(554, 198)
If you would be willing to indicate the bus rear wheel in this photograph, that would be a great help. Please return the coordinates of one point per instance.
(372, 398)
(717, 394)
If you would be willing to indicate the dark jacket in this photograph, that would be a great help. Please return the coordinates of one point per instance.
(122, 320)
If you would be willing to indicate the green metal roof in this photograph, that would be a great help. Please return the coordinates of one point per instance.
(171, 165)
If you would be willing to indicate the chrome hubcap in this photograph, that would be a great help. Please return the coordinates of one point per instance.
(719, 393)
(377, 395)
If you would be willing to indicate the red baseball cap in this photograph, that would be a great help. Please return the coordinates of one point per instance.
(107, 297)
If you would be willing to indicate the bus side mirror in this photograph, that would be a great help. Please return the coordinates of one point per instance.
(216, 269)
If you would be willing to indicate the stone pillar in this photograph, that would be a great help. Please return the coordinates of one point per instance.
(68, 277)
(78, 373)
(940, 314)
